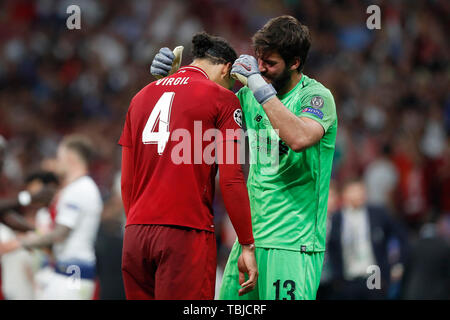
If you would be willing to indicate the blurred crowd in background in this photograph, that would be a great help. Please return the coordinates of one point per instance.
(391, 88)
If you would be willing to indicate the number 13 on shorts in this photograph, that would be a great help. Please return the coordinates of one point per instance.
(284, 290)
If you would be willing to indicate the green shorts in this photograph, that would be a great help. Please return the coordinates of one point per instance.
(283, 275)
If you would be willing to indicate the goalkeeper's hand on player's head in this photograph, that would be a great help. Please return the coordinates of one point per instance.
(245, 66)
(247, 265)
(162, 63)
(246, 70)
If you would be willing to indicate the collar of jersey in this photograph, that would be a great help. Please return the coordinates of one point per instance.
(281, 97)
(195, 69)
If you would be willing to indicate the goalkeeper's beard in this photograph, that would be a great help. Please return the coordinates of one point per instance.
(281, 81)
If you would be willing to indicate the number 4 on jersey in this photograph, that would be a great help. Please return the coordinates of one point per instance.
(160, 115)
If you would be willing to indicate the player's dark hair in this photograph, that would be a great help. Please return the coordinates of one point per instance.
(81, 145)
(216, 49)
(285, 35)
(46, 177)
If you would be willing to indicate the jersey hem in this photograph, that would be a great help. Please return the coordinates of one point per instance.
(264, 246)
(169, 225)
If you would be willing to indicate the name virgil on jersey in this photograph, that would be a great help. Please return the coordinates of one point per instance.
(172, 81)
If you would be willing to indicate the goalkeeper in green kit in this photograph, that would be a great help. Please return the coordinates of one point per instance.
(291, 124)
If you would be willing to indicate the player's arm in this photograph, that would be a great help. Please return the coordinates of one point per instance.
(35, 241)
(235, 196)
(9, 204)
(69, 208)
(25, 198)
(9, 208)
(58, 234)
(127, 167)
(127, 177)
(233, 187)
(16, 221)
(237, 204)
(298, 133)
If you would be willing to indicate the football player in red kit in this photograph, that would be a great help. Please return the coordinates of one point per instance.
(169, 249)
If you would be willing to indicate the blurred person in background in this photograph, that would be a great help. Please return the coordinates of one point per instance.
(440, 182)
(10, 207)
(28, 211)
(44, 222)
(3, 146)
(17, 217)
(108, 246)
(3, 181)
(359, 238)
(427, 269)
(78, 211)
(381, 178)
(19, 268)
(413, 198)
(39, 191)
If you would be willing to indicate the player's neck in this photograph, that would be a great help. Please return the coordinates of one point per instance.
(295, 79)
(205, 66)
(74, 174)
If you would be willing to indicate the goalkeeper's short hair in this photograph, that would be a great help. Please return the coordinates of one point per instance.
(285, 35)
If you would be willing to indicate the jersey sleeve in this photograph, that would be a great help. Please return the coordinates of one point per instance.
(320, 107)
(69, 209)
(126, 136)
(229, 116)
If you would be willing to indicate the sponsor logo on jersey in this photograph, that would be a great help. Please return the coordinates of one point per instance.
(282, 148)
(72, 206)
(258, 118)
(316, 112)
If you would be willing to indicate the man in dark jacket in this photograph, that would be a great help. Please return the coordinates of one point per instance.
(427, 271)
(358, 246)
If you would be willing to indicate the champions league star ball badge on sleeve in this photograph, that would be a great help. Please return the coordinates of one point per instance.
(317, 102)
(238, 117)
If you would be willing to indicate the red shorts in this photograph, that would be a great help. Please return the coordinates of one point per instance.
(168, 263)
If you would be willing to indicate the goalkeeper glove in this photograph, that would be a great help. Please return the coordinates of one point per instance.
(166, 62)
(245, 69)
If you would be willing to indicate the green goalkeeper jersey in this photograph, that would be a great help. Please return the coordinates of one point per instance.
(288, 190)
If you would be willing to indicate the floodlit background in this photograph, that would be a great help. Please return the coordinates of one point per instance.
(391, 88)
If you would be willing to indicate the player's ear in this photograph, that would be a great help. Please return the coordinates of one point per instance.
(295, 64)
(226, 68)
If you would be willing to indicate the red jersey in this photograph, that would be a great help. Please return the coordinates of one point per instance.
(164, 116)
